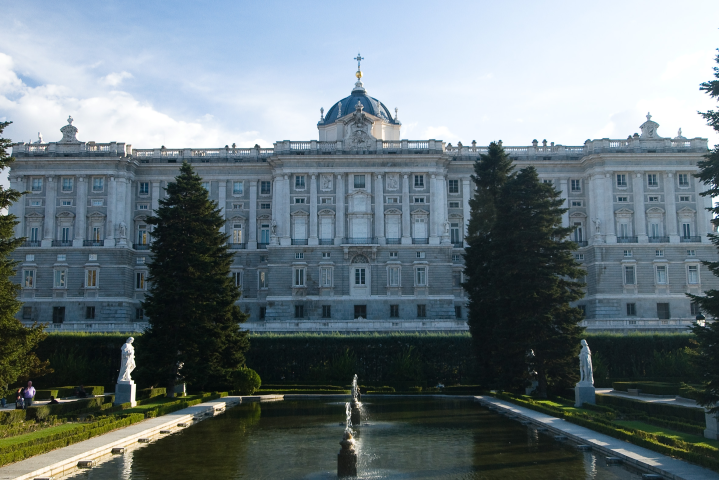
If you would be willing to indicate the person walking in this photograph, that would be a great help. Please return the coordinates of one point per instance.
(19, 400)
(28, 395)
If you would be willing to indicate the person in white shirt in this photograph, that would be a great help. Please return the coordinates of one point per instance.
(28, 394)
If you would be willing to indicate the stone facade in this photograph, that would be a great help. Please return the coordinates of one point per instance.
(359, 232)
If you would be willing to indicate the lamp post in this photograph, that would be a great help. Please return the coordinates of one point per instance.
(701, 320)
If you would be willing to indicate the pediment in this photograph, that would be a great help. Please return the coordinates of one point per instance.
(392, 211)
(578, 215)
(358, 193)
(655, 211)
(140, 218)
(96, 215)
(325, 212)
(237, 218)
(299, 213)
(65, 215)
(420, 212)
(34, 215)
(686, 211)
(455, 215)
(264, 217)
(624, 211)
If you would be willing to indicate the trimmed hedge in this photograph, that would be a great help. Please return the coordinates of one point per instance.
(8, 417)
(45, 394)
(146, 393)
(42, 411)
(692, 414)
(20, 451)
(653, 388)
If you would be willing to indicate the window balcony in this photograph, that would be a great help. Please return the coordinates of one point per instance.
(262, 246)
(627, 240)
(658, 239)
(361, 241)
(29, 243)
(62, 243)
(690, 239)
(581, 243)
(93, 243)
(237, 246)
(299, 241)
(394, 241)
(327, 241)
(141, 246)
(420, 241)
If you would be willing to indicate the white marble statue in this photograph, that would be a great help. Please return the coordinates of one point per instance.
(128, 361)
(585, 364)
(446, 228)
(123, 230)
(274, 227)
(598, 225)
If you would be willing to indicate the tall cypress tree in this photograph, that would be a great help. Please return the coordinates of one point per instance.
(17, 359)
(708, 336)
(491, 172)
(194, 321)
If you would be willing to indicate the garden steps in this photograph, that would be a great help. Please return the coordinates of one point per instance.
(65, 460)
(640, 457)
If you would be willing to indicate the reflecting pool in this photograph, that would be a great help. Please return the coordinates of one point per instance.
(406, 438)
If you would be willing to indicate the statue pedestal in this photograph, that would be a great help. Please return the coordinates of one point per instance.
(583, 393)
(125, 393)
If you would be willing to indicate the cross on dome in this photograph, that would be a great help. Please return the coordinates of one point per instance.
(359, 59)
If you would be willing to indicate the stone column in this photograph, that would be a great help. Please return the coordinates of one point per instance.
(441, 209)
(466, 195)
(640, 214)
(611, 235)
(313, 239)
(340, 210)
(111, 211)
(50, 201)
(276, 208)
(703, 216)
(120, 209)
(222, 201)
(18, 208)
(433, 207)
(565, 196)
(379, 210)
(670, 202)
(406, 220)
(285, 201)
(155, 197)
(252, 222)
(129, 215)
(595, 210)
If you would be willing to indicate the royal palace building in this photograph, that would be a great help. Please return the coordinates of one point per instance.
(358, 230)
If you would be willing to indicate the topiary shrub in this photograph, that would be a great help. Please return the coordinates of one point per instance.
(246, 381)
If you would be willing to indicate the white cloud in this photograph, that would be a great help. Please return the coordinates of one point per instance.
(114, 79)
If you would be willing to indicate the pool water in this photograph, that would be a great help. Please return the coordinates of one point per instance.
(405, 438)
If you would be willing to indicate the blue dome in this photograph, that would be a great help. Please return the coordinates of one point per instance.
(371, 105)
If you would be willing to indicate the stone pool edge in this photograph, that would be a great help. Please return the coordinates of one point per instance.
(65, 460)
(639, 457)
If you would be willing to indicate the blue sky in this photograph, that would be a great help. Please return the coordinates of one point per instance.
(207, 74)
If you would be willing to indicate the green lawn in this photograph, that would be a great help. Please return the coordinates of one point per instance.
(687, 437)
(38, 434)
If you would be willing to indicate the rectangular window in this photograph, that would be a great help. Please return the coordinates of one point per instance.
(683, 180)
(393, 255)
(299, 255)
(578, 232)
(579, 256)
(622, 199)
(143, 188)
(631, 309)
(98, 184)
(326, 254)
(686, 230)
(685, 198)
(421, 277)
(65, 234)
(36, 203)
(393, 276)
(299, 199)
(652, 180)
(28, 278)
(661, 274)
(360, 276)
(237, 279)
(663, 311)
(139, 314)
(143, 206)
(691, 253)
(627, 253)
(263, 279)
(34, 232)
(66, 203)
(694, 308)
(237, 233)
(693, 274)
(623, 230)
(453, 204)
(394, 311)
(237, 206)
(60, 278)
(621, 180)
(140, 280)
(457, 311)
(325, 277)
(67, 184)
(454, 234)
(419, 199)
(326, 200)
(265, 187)
(360, 311)
(238, 188)
(576, 185)
(299, 277)
(265, 233)
(658, 253)
(89, 313)
(391, 200)
(91, 278)
(36, 184)
(629, 275)
(58, 314)
(206, 186)
(419, 181)
(142, 236)
(96, 234)
(299, 311)
(265, 206)
(456, 279)
(453, 186)
(421, 311)
(576, 203)
(263, 313)
(26, 313)
(547, 182)
(326, 311)
(359, 181)
(420, 255)
(654, 230)
(653, 199)
(62, 257)
(98, 202)
(139, 260)
(300, 182)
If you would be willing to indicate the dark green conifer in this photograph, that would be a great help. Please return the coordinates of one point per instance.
(17, 359)
(194, 321)
(708, 335)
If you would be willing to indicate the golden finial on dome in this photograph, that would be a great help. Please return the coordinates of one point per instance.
(358, 74)
(359, 58)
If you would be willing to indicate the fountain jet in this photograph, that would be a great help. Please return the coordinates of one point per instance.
(356, 405)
